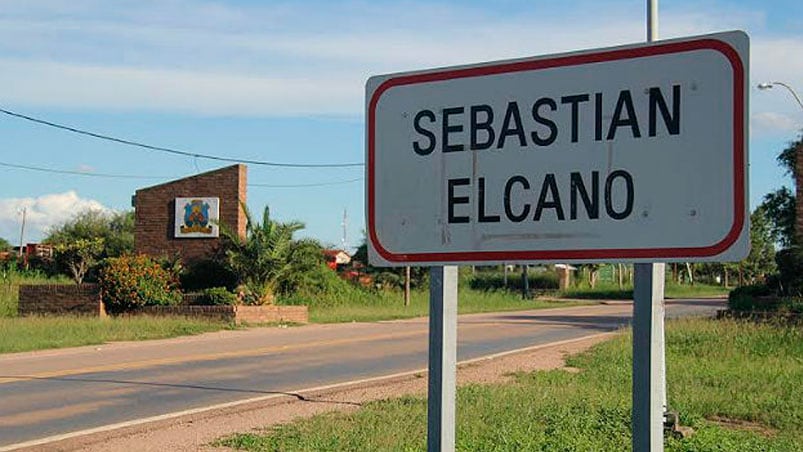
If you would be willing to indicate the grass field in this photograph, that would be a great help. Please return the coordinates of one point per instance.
(608, 291)
(737, 384)
(36, 333)
(386, 306)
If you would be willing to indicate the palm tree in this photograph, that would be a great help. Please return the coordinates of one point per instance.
(268, 261)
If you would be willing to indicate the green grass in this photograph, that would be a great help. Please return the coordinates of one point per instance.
(609, 291)
(36, 333)
(741, 372)
(390, 305)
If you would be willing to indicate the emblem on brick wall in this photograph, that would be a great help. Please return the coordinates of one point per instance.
(197, 217)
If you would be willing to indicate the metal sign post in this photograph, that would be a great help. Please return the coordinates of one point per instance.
(442, 358)
(649, 379)
(649, 359)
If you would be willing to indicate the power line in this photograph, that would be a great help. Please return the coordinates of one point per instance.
(176, 151)
(75, 173)
(318, 184)
(132, 176)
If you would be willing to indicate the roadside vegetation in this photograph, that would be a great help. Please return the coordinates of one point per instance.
(37, 333)
(737, 384)
(779, 293)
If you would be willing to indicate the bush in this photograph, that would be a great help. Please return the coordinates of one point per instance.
(216, 296)
(496, 281)
(746, 298)
(206, 274)
(790, 269)
(131, 282)
(762, 298)
(325, 289)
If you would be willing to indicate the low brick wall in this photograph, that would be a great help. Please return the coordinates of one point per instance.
(224, 313)
(237, 314)
(60, 299)
(271, 314)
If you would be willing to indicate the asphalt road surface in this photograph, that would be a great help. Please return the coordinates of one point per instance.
(55, 392)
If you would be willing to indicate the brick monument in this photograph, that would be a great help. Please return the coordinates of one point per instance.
(178, 218)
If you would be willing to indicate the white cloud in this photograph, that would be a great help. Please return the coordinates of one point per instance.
(291, 59)
(769, 122)
(42, 213)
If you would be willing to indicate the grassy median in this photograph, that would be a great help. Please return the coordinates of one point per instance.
(18, 334)
(737, 384)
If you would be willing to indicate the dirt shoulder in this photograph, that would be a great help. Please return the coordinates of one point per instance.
(195, 432)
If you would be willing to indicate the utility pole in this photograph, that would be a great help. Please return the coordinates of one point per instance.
(22, 229)
(344, 242)
(407, 285)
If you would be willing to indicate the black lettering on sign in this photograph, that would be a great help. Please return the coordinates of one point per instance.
(485, 126)
(591, 203)
(521, 180)
(575, 102)
(447, 129)
(625, 101)
(426, 133)
(481, 215)
(657, 101)
(512, 115)
(628, 204)
(549, 188)
(452, 199)
(550, 124)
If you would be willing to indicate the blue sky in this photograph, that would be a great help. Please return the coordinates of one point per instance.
(285, 82)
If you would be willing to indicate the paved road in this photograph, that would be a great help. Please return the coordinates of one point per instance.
(55, 392)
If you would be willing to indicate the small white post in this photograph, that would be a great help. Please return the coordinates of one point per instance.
(442, 359)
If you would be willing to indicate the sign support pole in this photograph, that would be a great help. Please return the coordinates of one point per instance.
(649, 360)
(442, 358)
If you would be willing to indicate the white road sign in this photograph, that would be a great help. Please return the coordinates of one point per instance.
(635, 153)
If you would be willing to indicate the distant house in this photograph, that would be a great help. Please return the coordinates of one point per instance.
(39, 250)
(335, 258)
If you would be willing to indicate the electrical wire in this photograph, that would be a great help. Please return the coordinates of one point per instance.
(131, 176)
(319, 184)
(75, 173)
(176, 151)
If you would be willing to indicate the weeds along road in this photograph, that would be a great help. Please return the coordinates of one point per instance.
(51, 393)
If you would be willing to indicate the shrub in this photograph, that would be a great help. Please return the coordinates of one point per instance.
(131, 282)
(747, 298)
(208, 273)
(790, 269)
(496, 281)
(761, 297)
(325, 289)
(217, 296)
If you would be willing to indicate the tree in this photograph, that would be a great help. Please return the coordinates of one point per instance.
(780, 204)
(115, 229)
(788, 156)
(761, 260)
(79, 256)
(268, 261)
(4, 244)
(779, 209)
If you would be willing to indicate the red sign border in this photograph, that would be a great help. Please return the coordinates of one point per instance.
(574, 60)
